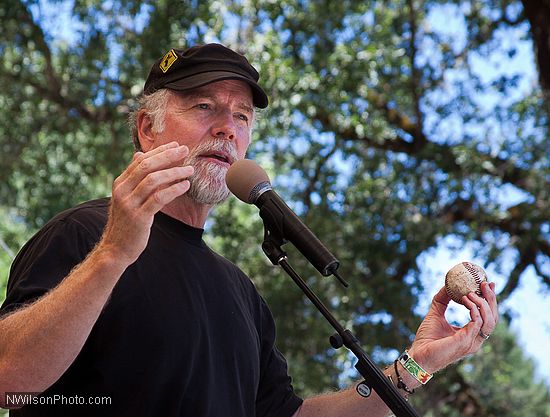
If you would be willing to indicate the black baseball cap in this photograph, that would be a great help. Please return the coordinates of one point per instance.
(184, 69)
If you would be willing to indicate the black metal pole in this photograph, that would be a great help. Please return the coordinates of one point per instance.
(372, 374)
(273, 240)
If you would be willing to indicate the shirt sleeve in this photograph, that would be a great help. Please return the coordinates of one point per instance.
(47, 258)
(276, 397)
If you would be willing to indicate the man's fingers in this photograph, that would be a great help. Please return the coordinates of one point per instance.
(484, 311)
(161, 197)
(488, 292)
(475, 314)
(487, 311)
(157, 181)
(474, 326)
(138, 156)
(441, 300)
(160, 148)
(155, 159)
(144, 164)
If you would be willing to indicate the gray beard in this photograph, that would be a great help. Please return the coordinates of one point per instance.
(208, 184)
(208, 181)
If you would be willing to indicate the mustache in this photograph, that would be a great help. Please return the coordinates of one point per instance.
(215, 145)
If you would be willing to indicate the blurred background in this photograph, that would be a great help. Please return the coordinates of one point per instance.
(408, 134)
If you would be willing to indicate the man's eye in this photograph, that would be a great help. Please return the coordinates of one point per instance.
(203, 106)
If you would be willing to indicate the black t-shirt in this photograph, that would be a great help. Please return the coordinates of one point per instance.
(185, 332)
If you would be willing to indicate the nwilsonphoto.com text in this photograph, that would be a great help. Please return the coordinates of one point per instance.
(21, 399)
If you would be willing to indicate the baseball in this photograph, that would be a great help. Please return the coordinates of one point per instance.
(464, 278)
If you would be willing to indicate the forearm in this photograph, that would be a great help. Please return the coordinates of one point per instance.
(350, 404)
(40, 341)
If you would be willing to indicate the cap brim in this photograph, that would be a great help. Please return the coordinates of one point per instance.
(259, 96)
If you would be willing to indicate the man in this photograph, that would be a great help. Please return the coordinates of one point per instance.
(121, 298)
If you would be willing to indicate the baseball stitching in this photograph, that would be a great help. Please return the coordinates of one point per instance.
(474, 272)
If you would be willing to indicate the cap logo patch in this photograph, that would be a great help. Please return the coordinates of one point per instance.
(168, 60)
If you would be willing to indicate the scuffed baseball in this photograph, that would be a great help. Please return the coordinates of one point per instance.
(464, 278)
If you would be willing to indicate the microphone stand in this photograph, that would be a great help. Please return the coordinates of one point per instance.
(273, 240)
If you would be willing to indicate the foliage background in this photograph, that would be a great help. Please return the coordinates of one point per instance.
(393, 126)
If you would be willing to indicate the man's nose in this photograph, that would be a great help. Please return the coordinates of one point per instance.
(224, 125)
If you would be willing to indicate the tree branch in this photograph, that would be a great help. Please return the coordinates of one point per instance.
(321, 161)
(441, 154)
(40, 42)
(52, 87)
(540, 273)
(6, 248)
(415, 76)
(63, 102)
(538, 14)
(526, 258)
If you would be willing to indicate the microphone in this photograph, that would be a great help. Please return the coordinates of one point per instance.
(250, 184)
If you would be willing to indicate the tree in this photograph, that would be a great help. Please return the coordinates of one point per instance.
(382, 130)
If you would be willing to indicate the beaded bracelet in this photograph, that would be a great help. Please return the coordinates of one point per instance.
(400, 383)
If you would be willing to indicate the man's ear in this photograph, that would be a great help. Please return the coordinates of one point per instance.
(145, 131)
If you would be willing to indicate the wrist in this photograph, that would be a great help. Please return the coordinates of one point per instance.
(106, 258)
(421, 359)
(410, 381)
(401, 379)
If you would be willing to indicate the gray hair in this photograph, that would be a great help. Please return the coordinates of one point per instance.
(154, 106)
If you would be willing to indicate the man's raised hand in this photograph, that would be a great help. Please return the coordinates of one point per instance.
(151, 181)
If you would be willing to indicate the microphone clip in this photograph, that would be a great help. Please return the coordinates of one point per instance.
(274, 232)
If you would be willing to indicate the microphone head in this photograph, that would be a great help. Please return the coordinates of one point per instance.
(247, 180)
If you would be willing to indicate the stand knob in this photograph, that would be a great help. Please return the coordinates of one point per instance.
(336, 341)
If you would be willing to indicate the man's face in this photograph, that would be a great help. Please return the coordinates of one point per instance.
(215, 122)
